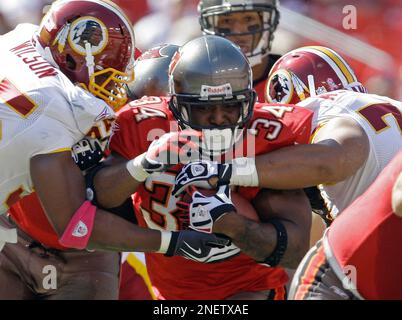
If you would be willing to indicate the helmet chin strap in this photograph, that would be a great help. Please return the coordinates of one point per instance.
(89, 58)
(311, 86)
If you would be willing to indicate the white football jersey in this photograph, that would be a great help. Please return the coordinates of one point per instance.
(381, 119)
(41, 111)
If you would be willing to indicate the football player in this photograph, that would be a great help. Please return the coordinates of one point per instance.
(211, 99)
(359, 256)
(251, 25)
(355, 134)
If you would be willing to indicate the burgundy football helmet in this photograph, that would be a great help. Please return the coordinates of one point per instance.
(92, 43)
(309, 71)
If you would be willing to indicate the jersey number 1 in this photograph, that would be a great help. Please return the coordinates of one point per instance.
(15, 99)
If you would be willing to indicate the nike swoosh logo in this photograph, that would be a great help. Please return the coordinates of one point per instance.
(192, 249)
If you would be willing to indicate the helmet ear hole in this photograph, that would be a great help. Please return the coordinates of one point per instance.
(71, 64)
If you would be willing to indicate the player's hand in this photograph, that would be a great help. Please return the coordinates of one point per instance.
(204, 210)
(170, 149)
(87, 152)
(201, 247)
(205, 174)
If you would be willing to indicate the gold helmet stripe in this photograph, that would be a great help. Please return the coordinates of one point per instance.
(342, 65)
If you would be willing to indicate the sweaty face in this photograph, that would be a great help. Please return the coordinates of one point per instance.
(215, 115)
(239, 23)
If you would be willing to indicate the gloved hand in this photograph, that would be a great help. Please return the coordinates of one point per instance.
(204, 211)
(201, 247)
(87, 153)
(205, 174)
(170, 149)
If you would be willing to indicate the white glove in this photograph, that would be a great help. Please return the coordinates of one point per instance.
(204, 210)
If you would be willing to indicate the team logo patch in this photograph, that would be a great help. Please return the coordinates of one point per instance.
(88, 30)
(279, 88)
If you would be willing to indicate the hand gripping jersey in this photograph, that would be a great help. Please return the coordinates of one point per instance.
(41, 112)
(381, 119)
(136, 127)
(365, 242)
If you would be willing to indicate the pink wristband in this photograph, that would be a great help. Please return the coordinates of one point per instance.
(80, 227)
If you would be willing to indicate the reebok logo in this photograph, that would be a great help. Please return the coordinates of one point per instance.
(81, 230)
(197, 170)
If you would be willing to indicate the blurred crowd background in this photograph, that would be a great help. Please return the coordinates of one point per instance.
(373, 48)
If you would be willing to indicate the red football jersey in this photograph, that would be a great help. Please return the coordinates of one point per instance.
(30, 217)
(260, 84)
(178, 278)
(260, 89)
(368, 236)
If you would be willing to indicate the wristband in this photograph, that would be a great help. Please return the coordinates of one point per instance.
(166, 236)
(135, 168)
(281, 244)
(244, 172)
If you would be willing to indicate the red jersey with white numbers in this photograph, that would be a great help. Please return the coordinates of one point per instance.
(136, 126)
(368, 236)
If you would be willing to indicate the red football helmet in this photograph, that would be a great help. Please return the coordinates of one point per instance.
(92, 43)
(309, 71)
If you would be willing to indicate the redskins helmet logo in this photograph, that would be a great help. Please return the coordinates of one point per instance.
(279, 87)
(87, 30)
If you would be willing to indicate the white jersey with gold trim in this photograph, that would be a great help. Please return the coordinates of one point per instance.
(381, 119)
(41, 111)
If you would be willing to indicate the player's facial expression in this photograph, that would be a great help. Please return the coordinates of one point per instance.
(241, 22)
(216, 115)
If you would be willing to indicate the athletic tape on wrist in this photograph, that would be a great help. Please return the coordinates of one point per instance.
(244, 172)
(166, 236)
(134, 167)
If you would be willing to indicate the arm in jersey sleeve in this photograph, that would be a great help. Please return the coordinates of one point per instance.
(258, 239)
(113, 183)
(339, 148)
(60, 187)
